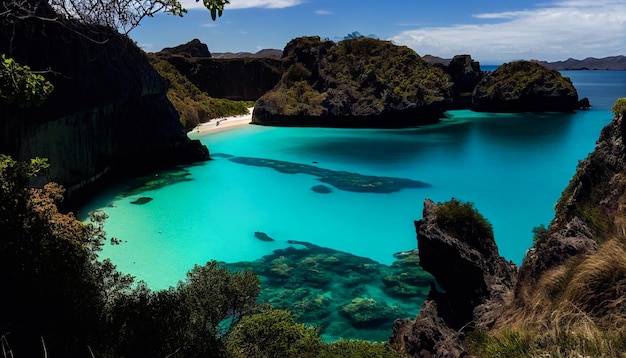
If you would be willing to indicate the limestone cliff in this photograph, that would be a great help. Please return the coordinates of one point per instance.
(359, 82)
(108, 109)
(524, 86)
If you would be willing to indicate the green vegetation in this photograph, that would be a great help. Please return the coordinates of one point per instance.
(193, 105)
(274, 333)
(619, 108)
(462, 220)
(18, 85)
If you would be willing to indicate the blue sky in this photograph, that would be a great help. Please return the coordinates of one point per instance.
(492, 31)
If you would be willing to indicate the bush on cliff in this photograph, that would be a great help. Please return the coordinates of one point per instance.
(193, 105)
(463, 220)
(619, 108)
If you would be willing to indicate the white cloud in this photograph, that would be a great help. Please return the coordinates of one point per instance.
(555, 31)
(245, 4)
(323, 12)
(209, 24)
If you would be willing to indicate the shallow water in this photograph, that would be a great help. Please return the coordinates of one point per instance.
(513, 167)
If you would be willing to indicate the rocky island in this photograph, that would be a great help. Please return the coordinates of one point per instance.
(524, 86)
(360, 82)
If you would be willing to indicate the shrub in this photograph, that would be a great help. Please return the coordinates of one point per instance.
(273, 333)
(463, 220)
(619, 107)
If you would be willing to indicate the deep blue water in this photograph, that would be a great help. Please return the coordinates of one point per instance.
(513, 167)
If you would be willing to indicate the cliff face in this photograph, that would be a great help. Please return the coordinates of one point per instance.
(108, 109)
(360, 82)
(589, 221)
(524, 86)
(242, 79)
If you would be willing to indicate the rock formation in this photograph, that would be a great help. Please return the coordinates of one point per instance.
(193, 48)
(472, 280)
(231, 78)
(524, 86)
(465, 74)
(108, 109)
(359, 82)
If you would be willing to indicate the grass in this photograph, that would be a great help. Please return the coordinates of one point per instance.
(576, 310)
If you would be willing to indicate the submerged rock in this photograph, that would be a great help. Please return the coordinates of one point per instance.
(339, 179)
(321, 189)
(141, 200)
(334, 290)
(367, 312)
(262, 236)
(524, 86)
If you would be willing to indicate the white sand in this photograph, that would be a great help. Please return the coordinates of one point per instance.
(221, 124)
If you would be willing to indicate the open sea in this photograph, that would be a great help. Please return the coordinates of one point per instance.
(513, 167)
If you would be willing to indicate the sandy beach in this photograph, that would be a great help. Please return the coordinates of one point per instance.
(221, 124)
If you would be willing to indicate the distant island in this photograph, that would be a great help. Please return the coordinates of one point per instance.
(617, 63)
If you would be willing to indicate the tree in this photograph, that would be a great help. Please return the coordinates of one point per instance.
(21, 86)
(125, 15)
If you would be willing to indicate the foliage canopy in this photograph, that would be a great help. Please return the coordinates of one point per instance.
(21, 86)
(125, 15)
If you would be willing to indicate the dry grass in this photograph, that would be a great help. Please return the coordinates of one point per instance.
(577, 310)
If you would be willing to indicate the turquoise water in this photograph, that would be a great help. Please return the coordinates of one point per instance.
(513, 167)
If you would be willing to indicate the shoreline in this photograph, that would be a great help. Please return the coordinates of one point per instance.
(221, 124)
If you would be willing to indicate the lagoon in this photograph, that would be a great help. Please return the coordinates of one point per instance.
(513, 167)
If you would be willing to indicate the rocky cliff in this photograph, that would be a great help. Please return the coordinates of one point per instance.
(465, 74)
(524, 86)
(108, 109)
(244, 78)
(457, 247)
(359, 82)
